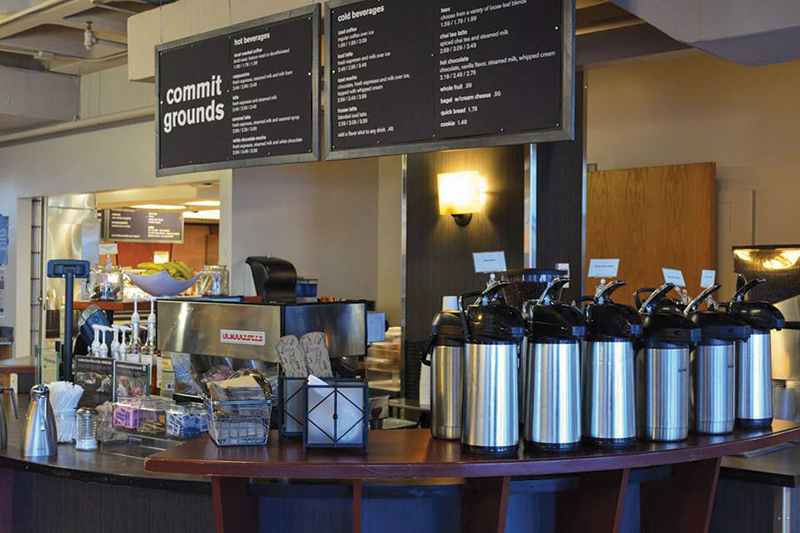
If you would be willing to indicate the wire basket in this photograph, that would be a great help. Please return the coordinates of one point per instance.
(239, 423)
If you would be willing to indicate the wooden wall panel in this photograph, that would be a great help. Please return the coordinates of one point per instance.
(438, 252)
(651, 218)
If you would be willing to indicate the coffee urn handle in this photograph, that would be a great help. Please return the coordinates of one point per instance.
(740, 293)
(692, 307)
(610, 288)
(637, 299)
(13, 399)
(552, 291)
(656, 296)
(462, 312)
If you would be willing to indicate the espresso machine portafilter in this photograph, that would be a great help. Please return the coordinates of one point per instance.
(492, 332)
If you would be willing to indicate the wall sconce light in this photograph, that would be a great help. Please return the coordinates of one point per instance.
(461, 194)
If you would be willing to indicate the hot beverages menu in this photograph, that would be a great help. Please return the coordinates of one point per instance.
(241, 96)
(404, 71)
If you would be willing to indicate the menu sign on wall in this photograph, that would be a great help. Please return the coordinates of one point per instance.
(143, 226)
(246, 95)
(405, 75)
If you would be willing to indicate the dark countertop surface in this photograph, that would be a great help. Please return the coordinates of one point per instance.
(413, 453)
(126, 467)
(122, 468)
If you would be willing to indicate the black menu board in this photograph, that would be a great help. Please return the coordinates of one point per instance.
(242, 96)
(406, 76)
(143, 226)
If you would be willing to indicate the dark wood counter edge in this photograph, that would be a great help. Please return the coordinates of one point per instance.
(472, 468)
(198, 486)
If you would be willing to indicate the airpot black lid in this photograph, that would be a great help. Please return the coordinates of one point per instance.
(609, 320)
(716, 327)
(720, 327)
(760, 316)
(606, 320)
(665, 327)
(446, 329)
(557, 321)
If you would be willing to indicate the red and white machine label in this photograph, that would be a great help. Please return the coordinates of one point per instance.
(247, 338)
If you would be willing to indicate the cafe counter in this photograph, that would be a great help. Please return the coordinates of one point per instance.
(407, 482)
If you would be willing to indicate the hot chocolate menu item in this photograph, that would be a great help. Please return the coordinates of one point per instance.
(245, 95)
(409, 76)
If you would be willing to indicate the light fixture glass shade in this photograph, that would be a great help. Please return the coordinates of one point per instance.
(461, 193)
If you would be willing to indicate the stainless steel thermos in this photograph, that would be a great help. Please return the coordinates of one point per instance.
(713, 374)
(608, 375)
(445, 356)
(553, 392)
(662, 369)
(39, 438)
(493, 331)
(3, 425)
(754, 358)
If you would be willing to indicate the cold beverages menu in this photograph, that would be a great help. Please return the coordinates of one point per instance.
(405, 72)
(244, 95)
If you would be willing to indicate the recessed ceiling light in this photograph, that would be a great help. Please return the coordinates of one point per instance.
(160, 207)
(209, 214)
(205, 203)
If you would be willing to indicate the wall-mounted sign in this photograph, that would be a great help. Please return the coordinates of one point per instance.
(4, 240)
(142, 226)
(242, 96)
(409, 76)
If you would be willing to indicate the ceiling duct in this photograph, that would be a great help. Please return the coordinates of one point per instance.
(749, 32)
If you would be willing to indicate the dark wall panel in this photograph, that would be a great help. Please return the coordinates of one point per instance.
(438, 252)
(559, 196)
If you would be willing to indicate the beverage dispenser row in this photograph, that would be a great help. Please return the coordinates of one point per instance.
(597, 371)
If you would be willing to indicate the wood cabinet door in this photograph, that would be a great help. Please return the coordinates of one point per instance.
(650, 218)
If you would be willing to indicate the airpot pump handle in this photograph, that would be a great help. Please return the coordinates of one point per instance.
(552, 291)
(583, 299)
(462, 311)
(610, 288)
(637, 299)
(659, 293)
(692, 307)
(742, 291)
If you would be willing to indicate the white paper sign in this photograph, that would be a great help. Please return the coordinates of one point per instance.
(603, 268)
(564, 267)
(108, 249)
(674, 276)
(489, 262)
(708, 278)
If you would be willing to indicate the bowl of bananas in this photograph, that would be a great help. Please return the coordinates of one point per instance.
(165, 279)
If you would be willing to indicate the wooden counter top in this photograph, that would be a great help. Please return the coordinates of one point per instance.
(415, 454)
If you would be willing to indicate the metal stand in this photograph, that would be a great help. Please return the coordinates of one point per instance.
(69, 270)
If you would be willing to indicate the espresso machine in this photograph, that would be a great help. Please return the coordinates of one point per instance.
(445, 356)
(754, 357)
(553, 390)
(662, 369)
(713, 375)
(609, 383)
(492, 331)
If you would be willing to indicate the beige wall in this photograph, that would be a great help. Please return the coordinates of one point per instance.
(323, 217)
(690, 108)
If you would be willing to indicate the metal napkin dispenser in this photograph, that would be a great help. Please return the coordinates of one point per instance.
(251, 331)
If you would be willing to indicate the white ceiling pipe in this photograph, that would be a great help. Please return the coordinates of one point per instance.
(89, 123)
